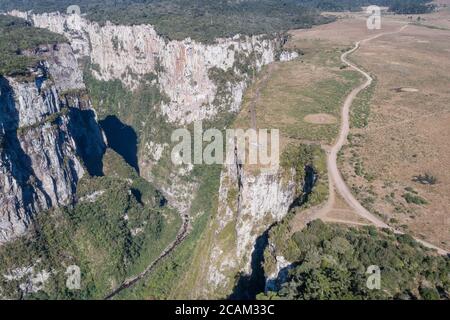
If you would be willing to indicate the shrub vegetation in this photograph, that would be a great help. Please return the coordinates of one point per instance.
(330, 262)
(117, 227)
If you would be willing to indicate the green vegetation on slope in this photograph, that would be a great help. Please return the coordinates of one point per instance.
(307, 159)
(140, 110)
(16, 36)
(330, 262)
(117, 227)
(175, 276)
(112, 98)
(360, 110)
(303, 159)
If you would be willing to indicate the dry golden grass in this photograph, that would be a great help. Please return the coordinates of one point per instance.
(408, 132)
(287, 94)
(345, 31)
(409, 125)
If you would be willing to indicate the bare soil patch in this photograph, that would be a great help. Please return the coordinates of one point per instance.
(406, 90)
(320, 118)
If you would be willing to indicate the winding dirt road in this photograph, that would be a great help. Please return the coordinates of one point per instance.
(335, 176)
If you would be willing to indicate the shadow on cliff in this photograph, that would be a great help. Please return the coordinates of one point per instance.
(11, 152)
(248, 286)
(88, 139)
(308, 185)
(122, 139)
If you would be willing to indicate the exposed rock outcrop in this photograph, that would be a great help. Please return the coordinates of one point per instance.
(279, 275)
(249, 203)
(49, 138)
(288, 56)
(200, 81)
(132, 53)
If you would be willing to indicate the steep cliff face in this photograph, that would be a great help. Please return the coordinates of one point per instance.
(249, 203)
(48, 139)
(201, 82)
(132, 53)
(251, 218)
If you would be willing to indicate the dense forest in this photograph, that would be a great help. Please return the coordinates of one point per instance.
(331, 262)
(206, 20)
(396, 6)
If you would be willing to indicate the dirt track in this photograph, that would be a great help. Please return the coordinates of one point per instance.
(336, 181)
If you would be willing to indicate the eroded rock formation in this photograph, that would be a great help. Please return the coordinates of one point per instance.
(49, 139)
(132, 53)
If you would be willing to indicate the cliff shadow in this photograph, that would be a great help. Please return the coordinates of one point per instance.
(88, 139)
(248, 286)
(309, 183)
(281, 277)
(122, 139)
(12, 153)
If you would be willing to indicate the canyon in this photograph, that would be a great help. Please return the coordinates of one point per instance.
(200, 82)
(90, 105)
(48, 129)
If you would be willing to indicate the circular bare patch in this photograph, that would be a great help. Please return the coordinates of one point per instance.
(320, 118)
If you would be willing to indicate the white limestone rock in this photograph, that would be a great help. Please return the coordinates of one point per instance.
(44, 131)
(129, 53)
(250, 203)
(288, 56)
